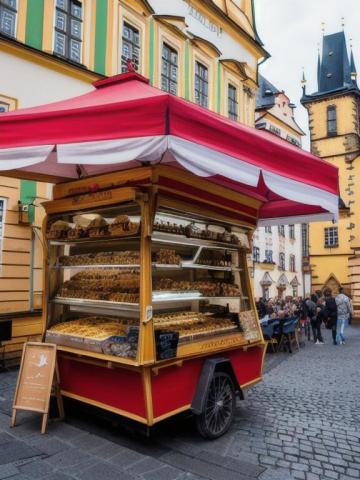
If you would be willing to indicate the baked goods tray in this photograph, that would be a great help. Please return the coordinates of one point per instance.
(172, 238)
(160, 296)
(94, 266)
(105, 304)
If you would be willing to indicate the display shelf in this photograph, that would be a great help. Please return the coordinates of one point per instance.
(93, 266)
(173, 239)
(94, 355)
(160, 296)
(104, 304)
(93, 240)
(195, 266)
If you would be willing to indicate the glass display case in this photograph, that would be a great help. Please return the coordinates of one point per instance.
(93, 280)
(198, 284)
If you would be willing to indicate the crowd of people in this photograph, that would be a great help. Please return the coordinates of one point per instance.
(335, 312)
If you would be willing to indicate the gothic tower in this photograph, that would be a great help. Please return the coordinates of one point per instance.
(334, 128)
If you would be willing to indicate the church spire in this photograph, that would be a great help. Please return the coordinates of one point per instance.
(353, 71)
(319, 68)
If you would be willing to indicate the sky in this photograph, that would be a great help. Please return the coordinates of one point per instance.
(291, 33)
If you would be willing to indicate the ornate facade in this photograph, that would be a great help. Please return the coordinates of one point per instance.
(335, 136)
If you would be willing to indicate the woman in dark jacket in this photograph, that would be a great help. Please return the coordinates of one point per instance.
(331, 313)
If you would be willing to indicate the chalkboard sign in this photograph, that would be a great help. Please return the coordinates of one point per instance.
(133, 336)
(35, 381)
(166, 344)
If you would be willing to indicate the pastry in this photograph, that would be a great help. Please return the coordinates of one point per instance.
(98, 227)
(58, 230)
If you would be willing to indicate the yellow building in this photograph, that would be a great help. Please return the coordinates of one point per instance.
(334, 126)
(207, 52)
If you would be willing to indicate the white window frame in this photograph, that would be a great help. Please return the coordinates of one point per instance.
(330, 235)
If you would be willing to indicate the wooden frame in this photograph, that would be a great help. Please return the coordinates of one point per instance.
(50, 387)
(147, 187)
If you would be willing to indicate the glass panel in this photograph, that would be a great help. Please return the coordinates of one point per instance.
(76, 10)
(61, 4)
(75, 50)
(60, 21)
(59, 46)
(94, 280)
(10, 3)
(7, 22)
(76, 28)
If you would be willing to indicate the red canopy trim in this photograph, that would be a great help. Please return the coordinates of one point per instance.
(125, 122)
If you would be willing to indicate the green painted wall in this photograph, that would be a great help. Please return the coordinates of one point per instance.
(28, 195)
(100, 36)
(187, 71)
(34, 23)
(152, 52)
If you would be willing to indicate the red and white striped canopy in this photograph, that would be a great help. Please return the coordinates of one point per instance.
(124, 122)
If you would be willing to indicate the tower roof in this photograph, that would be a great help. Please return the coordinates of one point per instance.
(266, 93)
(335, 65)
(335, 68)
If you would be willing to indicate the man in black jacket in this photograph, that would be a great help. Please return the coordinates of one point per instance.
(331, 312)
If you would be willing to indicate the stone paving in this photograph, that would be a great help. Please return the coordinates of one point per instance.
(302, 422)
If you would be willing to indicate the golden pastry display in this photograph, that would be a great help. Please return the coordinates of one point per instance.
(127, 257)
(91, 327)
(103, 284)
(98, 227)
(166, 256)
(104, 335)
(122, 225)
(206, 287)
(58, 230)
(215, 258)
(193, 325)
(193, 231)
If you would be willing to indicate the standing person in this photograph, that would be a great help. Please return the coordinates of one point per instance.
(319, 318)
(331, 313)
(312, 314)
(345, 310)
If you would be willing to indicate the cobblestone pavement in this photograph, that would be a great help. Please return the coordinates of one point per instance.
(302, 422)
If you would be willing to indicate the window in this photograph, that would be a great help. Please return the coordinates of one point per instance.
(275, 130)
(4, 107)
(130, 47)
(68, 29)
(331, 120)
(169, 70)
(8, 10)
(305, 239)
(292, 263)
(268, 229)
(293, 140)
(232, 102)
(269, 256)
(281, 230)
(256, 254)
(292, 232)
(282, 261)
(331, 237)
(201, 84)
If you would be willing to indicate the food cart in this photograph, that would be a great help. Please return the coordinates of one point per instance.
(147, 289)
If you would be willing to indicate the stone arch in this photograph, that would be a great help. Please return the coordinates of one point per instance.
(333, 283)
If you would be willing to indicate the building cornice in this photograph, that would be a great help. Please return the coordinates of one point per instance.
(80, 72)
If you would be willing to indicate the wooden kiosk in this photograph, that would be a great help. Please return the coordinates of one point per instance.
(147, 291)
(188, 335)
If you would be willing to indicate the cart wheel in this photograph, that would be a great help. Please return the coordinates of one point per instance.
(219, 408)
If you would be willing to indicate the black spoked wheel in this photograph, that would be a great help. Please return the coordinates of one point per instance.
(219, 407)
